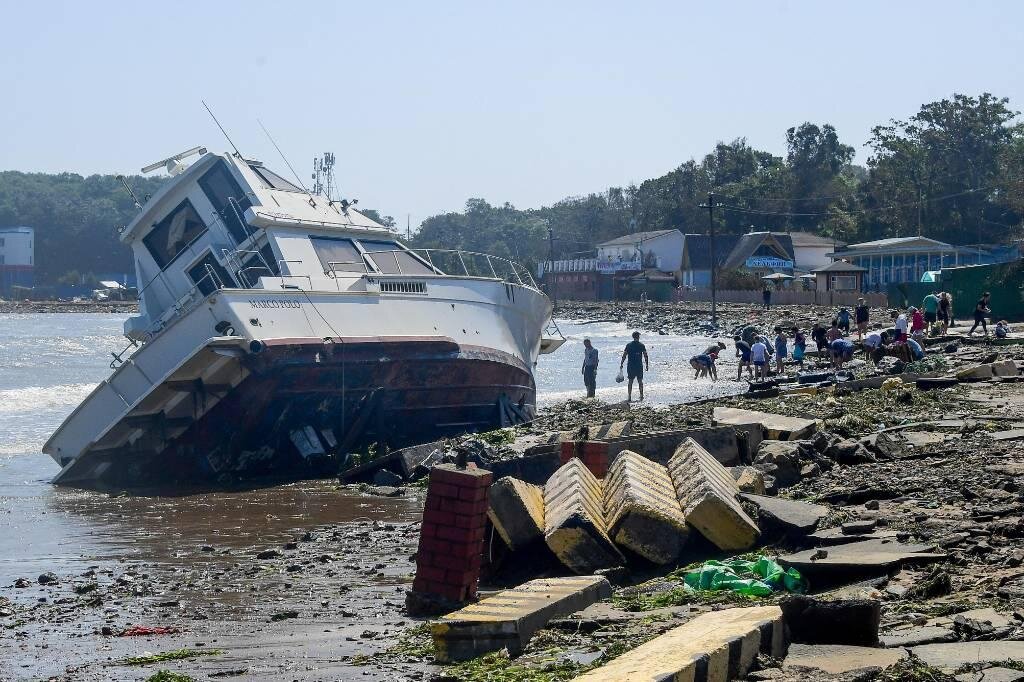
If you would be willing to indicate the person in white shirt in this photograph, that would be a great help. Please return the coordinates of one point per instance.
(901, 328)
(759, 355)
(872, 342)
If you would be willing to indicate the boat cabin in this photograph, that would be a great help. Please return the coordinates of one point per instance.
(228, 222)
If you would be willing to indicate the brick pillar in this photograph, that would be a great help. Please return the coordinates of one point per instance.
(451, 536)
(594, 454)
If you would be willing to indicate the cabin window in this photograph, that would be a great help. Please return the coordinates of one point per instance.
(390, 259)
(256, 266)
(174, 233)
(273, 180)
(208, 275)
(338, 255)
(227, 198)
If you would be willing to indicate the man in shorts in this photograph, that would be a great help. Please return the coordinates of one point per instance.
(743, 353)
(861, 314)
(759, 355)
(930, 304)
(636, 354)
(872, 344)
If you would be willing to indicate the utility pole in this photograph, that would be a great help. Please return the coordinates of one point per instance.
(711, 238)
(552, 288)
(408, 231)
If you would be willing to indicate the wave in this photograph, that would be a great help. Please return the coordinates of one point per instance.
(30, 399)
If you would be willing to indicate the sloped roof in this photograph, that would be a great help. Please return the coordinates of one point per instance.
(811, 239)
(635, 237)
(898, 241)
(749, 243)
(840, 266)
(697, 250)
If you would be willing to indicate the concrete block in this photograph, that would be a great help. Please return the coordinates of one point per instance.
(1004, 368)
(713, 647)
(748, 480)
(707, 494)
(510, 618)
(818, 620)
(641, 509)
(790, 517)
(574, 524)
(516, 511)
(773, 426)
(949, 657)
(837, 659)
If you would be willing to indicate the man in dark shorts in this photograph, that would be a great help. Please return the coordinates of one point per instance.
(743, 353)
(636, 353)
(980, 311)
(945, 312)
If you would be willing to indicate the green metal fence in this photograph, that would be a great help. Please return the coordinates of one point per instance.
(1005, 281)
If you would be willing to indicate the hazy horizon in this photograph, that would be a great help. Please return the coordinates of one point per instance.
(426, 107)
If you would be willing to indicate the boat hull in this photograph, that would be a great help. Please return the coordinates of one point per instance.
(306, 403)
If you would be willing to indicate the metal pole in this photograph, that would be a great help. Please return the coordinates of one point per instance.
(552, 289)
(711, 235)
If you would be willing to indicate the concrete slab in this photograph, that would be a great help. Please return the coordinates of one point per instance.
(1011, 434)
(984, 615)
(952, 656)
(748, 479)
(823, 620)
(787, 516)
(713, 647)
(915, 636)
(918, 439)
(516, 511)
(574, 524)
(641, 509)
(837, 659)
(858, 558)
(774, 426)
(836, 536)
(707, 494)
(992, 675)
(510, 618)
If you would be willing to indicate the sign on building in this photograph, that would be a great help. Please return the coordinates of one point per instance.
(760, 262)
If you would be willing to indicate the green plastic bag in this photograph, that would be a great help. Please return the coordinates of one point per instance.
(755, 578)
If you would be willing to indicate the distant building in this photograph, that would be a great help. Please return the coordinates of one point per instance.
(659, 249)
(839, 276)
(760, 253)
(905, 259)
(17, 259)
(811, 251)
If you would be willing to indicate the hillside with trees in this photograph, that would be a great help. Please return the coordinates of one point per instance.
(953, 171)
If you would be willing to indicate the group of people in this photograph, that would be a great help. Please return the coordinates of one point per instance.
(757, 352)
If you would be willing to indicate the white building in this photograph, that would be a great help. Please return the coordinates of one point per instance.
(811, 251)
(16, 246)
(17, 260)
(660, 249)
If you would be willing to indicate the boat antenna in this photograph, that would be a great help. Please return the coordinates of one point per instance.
(128, 188)
(237, 153)
(284, 158)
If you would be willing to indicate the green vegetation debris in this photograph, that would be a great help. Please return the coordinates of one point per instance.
(168, 676)
(913, 670)
(176, 655)
(498, 436)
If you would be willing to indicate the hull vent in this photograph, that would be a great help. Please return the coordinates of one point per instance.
(399, 287)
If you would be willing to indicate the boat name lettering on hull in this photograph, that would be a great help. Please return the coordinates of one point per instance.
(271, 303)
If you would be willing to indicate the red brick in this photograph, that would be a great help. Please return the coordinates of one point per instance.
(436, 489)
(432, 573)
(455, 534)
(466, 549)
(463, 507)
(432, 503)
(462, 577)
(473, 494)
(441, 518)
(459, 563)
(472, 522)
(463, 478)
(435, 545)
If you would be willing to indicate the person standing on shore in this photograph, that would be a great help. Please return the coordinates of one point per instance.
(861, 314)
(843, 318)
(759, 354)
(766, 296)
(743, 353)
(781, 350)
(589, 368)
(819, 335)
(930, 305)
(945, 311)
(981, 309)
(636, 353)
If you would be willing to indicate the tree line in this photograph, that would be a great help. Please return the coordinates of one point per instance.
(954, 171)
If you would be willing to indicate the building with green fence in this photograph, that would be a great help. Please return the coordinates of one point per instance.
(1005, 281)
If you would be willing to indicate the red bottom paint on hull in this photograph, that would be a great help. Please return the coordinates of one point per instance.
(306, 404)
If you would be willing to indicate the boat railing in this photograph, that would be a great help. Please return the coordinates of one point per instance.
(449, 262)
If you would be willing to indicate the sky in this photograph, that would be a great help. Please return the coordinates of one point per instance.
(427, 104)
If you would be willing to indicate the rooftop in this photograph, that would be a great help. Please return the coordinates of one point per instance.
(811, 239)
(637, 237)
(840, 266)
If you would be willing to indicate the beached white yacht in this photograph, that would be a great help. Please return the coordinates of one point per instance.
(280, 330)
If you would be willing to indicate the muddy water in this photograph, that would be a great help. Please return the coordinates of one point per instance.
(50, 362)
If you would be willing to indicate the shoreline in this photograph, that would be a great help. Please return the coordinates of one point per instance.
(31, 307)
